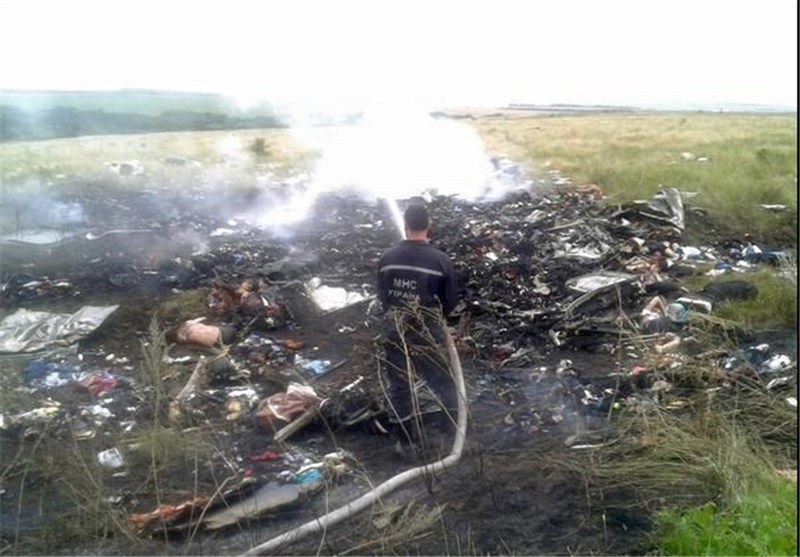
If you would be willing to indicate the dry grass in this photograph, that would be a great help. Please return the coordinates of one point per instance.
(64, 500)
(394, 527)
(680, 450)
(211, 157)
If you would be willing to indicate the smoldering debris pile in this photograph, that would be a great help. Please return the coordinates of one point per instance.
(282, 326)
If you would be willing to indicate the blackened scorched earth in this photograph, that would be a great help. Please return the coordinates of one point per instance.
(510, 493)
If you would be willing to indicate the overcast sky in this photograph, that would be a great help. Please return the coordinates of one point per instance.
(486, 53)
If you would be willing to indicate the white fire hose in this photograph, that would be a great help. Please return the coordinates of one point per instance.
(369, 498)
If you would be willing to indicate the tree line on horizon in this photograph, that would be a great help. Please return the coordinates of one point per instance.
(65, 121)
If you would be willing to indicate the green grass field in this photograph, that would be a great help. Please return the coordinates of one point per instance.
(762, 521)
(751, 159)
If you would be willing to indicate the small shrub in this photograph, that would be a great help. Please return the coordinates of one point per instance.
(184, 305)
(157, 446)
(259, 147)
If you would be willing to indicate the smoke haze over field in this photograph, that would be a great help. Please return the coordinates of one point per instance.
(392, 153)
(34, 206)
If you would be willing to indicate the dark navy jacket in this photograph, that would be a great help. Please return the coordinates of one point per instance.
(413, 271)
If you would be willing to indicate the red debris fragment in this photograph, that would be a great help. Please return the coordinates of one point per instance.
(636, 370)
(166, 513)
(281, 408)
(292, 344)
(265, 456)
(98, 383)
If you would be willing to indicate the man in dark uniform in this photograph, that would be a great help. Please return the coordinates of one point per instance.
(417, 288)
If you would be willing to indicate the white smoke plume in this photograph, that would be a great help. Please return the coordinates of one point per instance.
(37, 206)
(400, 153)
(391, 153)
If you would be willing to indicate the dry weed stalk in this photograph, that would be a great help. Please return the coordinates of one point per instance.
(395, 527)
(676, 456)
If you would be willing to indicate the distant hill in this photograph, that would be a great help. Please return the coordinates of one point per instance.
(661, 107)
(569, 107)
(721, 107)
(32, 115)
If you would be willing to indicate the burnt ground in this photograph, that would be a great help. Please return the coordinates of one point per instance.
(508, 494)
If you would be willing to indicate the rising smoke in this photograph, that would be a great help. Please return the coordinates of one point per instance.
(36, 206)
(391, 154)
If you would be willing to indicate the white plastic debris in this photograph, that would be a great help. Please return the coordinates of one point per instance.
(180, 360)
(779, 382)
(110, 459)
(777, 362)
(56, 379)
(595, 281)
(330, 298)
(588, 252)
(246, 395)
(696, 303)
(691, 252)
(222, 232)
(97, 411)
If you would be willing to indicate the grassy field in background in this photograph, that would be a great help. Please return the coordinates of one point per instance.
(735, 162)
(751, 159)
(45, 162)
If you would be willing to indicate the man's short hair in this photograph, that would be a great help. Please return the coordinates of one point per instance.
(416, 218)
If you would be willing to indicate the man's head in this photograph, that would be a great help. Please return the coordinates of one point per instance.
(417, 222)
